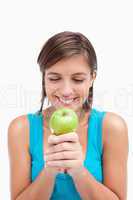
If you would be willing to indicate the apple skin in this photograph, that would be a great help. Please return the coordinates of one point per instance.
(63, 120)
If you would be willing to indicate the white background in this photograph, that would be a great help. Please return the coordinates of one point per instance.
(26, 25)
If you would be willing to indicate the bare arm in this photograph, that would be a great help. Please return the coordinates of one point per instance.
(115, 157)
(20, 183)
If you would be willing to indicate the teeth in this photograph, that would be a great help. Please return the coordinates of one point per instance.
(66, 101)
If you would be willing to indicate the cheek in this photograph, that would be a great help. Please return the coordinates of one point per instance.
(84, 90)
(50, 89)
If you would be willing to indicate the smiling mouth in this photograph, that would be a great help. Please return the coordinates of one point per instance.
(67, 102)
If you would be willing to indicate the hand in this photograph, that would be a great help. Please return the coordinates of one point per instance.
(52, 171)
(64, 152)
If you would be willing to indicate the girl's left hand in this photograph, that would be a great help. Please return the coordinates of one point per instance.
(65, 152)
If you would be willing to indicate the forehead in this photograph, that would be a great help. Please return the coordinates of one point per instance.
(75, 65)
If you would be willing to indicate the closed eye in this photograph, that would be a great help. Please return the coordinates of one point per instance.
(51, 79)
(76, 80)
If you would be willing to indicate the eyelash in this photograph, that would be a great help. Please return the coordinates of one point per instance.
(78, 81)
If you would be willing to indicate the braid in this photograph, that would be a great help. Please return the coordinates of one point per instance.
(43, 95)
(87, 105)
(88, 102)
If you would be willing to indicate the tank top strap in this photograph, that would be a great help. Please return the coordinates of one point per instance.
(35, 135)
(101, 115)
(95, 132)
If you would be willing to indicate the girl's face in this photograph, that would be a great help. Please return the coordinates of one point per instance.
(67, 82)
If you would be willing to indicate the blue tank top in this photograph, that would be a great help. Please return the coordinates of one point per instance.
(64, 187)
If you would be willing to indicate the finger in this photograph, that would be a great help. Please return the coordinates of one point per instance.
(64, 146)
(69, 137)
(65, 163)
(71, 155)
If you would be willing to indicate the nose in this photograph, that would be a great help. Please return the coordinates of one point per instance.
(66, 90)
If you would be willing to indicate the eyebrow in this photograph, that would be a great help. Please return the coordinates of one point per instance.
(78, 73)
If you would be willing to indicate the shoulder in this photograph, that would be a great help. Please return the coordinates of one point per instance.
(18, 130)
(114, 128)
(18, 122)
(114, 121)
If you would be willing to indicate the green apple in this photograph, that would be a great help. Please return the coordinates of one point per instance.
(63, 120)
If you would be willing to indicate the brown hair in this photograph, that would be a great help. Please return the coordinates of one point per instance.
(64, 45)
